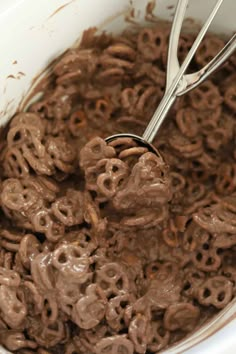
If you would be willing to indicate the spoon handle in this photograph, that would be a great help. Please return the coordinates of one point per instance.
(178, 82)
(172, 58)
(194, 79)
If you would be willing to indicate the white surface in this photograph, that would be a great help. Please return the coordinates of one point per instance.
(33, 36)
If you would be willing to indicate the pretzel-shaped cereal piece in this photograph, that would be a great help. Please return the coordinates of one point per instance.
(13, 309)
(216, 217)
(185, 146)
(42, 272)
(202, 166)
(50, 311)
(224, 241)
(94, 151)
(111, 180)
(69, 292)
(71, 348)
(6, 259)
(182, 316)
(163, 288)
(56, 104)
(21, 134)
(149, 177)
(15, 197)
(110, 76)
(145, 218)
(29, 249)
(147, 102)
(112, 279)
(217, 139)
(15, 340)
(11, 235)
(177, 183)
(83, 238)
(187, 122)
(152, 269)
(119, 311)
(47, 336)
(228, 257)
(230, 97)
(71, 261)
(89, 310)
(132, 154)
(88, 339)
(118, 344)
(57, 129)
(87, 241)
(226, 179)
(100, 109)
(64, 80)
(209, 47)
(195, 193)
(91, 179)
(44, 186)
(216, 291)
(9, 277)
(25, 126)
(151, 43)
(62, 153)
(69, 209)
(153, 72)
(77, 122)
(159, 336)
(205, 97)
(9, 246)
(92, 215)
(28, 118)
(43, 221)
(194, 236)
(36, 298)
(138, 332)
(206, 258)
(14, 163)
(118, 55)
(121, 50)
(193, 279)
(122, 144)
(171, 235)
(74, 60)
(140, 100)
(229, 272)
(229, 202)
(129, 98)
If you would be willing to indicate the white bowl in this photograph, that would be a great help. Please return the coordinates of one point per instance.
(33, 33)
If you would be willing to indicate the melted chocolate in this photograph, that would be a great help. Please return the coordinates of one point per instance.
(106, 247)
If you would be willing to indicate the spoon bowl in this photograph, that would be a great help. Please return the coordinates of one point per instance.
(137, 139)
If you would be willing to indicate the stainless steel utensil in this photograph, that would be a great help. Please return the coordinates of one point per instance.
(177, 82)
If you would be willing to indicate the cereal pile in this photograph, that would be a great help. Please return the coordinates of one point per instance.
(106, 247)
